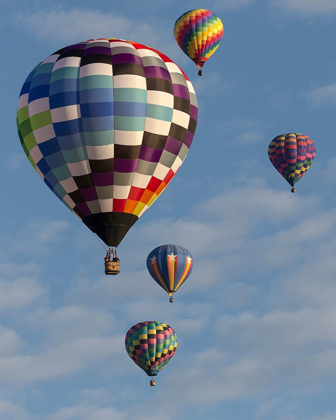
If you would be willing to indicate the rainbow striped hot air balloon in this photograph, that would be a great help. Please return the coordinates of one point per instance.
(170, 266)
(198, 34)
(291, 155)
(151, 345)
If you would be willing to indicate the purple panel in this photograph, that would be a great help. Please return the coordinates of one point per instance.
(157, 72)
(97, 50)
(103, 179)
(84, 209)
(188, 139)
(125, 165)
(75, 47)
(150, 154)
(126, 58)
(173, 146)
(89, 194)
(193, 112)
(181, 91)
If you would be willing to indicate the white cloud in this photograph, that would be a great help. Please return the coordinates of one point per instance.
(308, 7)
(87, 412)
(10, 342)
(19, 293)
(326, 417)
(70, 322)
(325, 95)
(15, 160)
(211, 84)
(249, 137)
(46, 232)
(60, 360)
(13, 411)
(231, 4)
(34, 238)
(252, 249)
(75, 25)
(278, 332)
(244, 131)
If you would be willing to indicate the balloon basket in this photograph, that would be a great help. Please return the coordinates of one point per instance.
(293, 190)
(200, 72)
(171, 300)
(152, 382)
(112, 268)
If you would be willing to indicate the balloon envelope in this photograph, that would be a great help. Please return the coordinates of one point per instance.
(151, 345)
(291, 155)
(106, 124)
(170, 265)
(198, 33)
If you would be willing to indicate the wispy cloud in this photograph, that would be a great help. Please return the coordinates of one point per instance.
(308, 7)
(249, 137)
(87, 412)
(19, 293)
(13, 411)
(35, 238)
(244, 131)
(211, 84)
(75, 25)
(231, 4)
(59, 361)
(325, 95)
(15, 160)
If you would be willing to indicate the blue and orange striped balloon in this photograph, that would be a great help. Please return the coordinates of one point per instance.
(291, 155)
(170, 266)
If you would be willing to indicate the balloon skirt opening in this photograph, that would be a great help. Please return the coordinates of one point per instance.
(153, 372)
(110, 227)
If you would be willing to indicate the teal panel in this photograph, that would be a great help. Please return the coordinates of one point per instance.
(129, 123)
(159, 112)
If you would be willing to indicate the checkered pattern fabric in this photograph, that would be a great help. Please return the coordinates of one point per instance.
(198, 34)
(170, 266)
(106, 124)
(151, 345)
(291, 155)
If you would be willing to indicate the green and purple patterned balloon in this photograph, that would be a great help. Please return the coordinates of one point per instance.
(151, 345)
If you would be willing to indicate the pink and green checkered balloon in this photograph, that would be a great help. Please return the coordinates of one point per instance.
(198, 34)
(151, 345)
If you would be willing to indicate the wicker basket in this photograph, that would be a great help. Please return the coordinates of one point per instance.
(112, 268)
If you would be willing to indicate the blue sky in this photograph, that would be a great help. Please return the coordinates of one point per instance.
(256, 320)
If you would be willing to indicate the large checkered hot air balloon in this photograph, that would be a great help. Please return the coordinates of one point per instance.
(151, 345)
(170, 266)
(198, 33)
(291, 155)
(106, 124)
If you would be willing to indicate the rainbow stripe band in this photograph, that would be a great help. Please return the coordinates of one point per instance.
(198, 33)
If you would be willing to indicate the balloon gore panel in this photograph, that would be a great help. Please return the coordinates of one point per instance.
(198, 33)
(151, 345)
(291, 155)
(170, 265)
(107, 123)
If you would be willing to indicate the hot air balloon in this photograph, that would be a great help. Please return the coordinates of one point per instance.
(151, 345)
(198, 33)
(106, 124)
(291, 155)
(170, 266)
